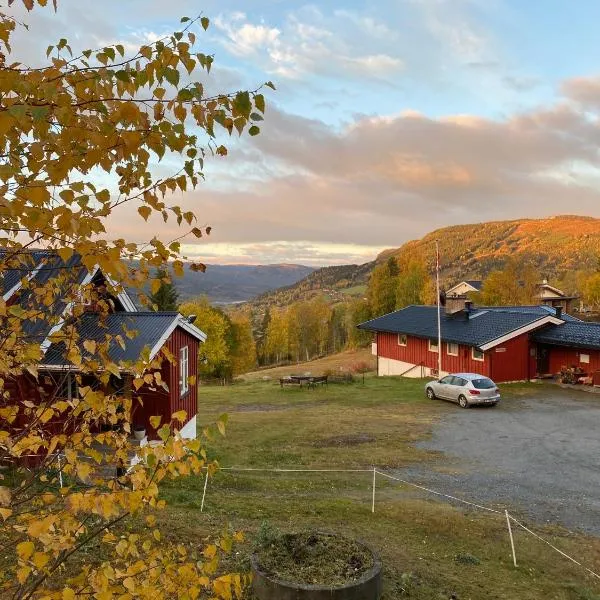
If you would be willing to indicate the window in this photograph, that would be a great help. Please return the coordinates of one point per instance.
(66, 386)
(477, 354)
(402, 339)
(183, 371)
(459, 381)
(452, 349)
(584, 358)
(433, 347)
(483, 384)
(447, 380)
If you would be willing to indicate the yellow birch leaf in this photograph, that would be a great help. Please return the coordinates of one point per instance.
(68, 594)
(180, 415)
(155, 421)
(4, 496)
(144, 212)
(25, 550)
(5, 513)
(40, 560)
(83, 470)
(23, 574)
(90, 346)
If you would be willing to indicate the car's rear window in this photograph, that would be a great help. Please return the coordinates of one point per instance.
(483, 384)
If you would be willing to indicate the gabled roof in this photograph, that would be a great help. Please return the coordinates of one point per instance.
(152, 329)
(578, 334)
(484, 327)
(475, 283)
(42, 266)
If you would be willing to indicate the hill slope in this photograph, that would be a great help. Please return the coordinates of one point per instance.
(552, 245)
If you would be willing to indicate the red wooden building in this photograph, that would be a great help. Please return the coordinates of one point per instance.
(154, 335)
(505, 343)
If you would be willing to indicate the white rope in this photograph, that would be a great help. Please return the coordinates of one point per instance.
(493, 510)
(242, 469)
(539, 537)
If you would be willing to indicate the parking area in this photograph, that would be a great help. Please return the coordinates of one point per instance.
(538, 454)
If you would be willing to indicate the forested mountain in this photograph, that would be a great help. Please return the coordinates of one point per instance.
(552, 246)
(225, 284)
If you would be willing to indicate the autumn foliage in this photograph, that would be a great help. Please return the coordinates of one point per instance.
(101, 111)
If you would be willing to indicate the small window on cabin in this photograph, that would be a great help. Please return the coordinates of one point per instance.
(452, 349)
(433, 347)
(183, 371)
(66, 386)
(402, 339)
(584, 358)
(477, 354)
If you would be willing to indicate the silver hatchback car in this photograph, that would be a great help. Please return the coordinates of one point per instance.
(465, 389)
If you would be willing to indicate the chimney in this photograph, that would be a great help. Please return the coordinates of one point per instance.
(558, 311)
(454, 305)
(192, 318)
(468, 306)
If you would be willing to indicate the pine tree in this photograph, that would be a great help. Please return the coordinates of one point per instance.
(166, 297)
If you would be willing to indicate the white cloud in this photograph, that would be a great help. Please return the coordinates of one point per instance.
(308, 43)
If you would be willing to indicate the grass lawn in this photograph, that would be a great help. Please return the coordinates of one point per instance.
(430, 549)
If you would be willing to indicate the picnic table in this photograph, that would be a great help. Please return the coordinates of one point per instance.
(310, 381)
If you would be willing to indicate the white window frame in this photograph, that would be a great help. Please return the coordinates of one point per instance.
(473, 350)
(586, 360)
(184, 371)
(402, 335)
(433, 346)
(448, 346)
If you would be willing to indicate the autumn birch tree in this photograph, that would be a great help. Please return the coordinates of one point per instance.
(99, 111)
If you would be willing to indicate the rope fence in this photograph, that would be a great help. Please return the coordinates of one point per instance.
(503, 513)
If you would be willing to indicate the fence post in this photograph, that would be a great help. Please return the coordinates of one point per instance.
(373, 500)
(510, 535)
(60, 477)
(204, 492)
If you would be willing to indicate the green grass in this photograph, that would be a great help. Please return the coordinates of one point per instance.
(430, 549)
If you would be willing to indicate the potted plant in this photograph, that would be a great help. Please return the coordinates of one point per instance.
(139, 432)
(313, 566)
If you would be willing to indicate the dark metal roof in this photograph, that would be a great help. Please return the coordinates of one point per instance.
(482, 326)
(476, 283)
(149, 326)
(577, 334)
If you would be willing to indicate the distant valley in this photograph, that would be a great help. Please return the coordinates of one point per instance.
(227, 284)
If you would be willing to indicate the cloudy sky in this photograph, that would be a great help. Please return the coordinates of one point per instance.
(391, 117)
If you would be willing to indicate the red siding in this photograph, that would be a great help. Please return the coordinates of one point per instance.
(511, 361)
(163, 403)
(567, 357)
(417, 352)
(189, 402)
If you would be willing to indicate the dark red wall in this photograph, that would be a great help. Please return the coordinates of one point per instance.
(159, 402)
(417, 352)
(511, 361)
(567, 357)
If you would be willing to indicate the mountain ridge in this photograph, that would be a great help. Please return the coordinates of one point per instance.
(552, 245)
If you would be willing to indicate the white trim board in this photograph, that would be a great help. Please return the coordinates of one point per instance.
(178, 321)
(549, 320)
(15, 288)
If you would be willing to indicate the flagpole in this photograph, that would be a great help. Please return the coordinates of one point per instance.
(439, 318)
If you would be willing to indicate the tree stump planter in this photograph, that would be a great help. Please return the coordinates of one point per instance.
(269, 586)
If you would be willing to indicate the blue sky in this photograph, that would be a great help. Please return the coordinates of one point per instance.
(391, 118)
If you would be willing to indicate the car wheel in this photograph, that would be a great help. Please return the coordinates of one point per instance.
(430, 394)
(462, 401)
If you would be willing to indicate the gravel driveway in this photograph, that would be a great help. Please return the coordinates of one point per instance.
(540, 456)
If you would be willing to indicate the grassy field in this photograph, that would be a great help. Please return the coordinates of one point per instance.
(335, 362)
(430, 549)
